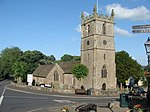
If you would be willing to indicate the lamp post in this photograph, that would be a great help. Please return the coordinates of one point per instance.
(147, 47)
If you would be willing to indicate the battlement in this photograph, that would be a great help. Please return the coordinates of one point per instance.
(97, 17)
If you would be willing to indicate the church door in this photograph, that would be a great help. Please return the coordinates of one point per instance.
(104, 86)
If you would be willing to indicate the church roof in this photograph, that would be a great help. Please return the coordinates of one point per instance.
(67, 66)
(43, 70)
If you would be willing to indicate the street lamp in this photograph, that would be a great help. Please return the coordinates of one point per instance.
(147, 47)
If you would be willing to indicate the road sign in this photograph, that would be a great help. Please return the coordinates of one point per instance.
(30, 79)
(141, 31)
(140, 26)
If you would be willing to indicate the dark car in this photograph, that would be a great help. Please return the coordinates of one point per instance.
(138, 91)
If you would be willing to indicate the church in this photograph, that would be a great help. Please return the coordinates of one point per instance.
(97, 54)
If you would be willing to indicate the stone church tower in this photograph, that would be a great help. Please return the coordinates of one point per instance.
(98, 51)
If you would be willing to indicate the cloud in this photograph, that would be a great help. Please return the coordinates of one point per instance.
(86, 13)
(78, 28)
(74, 38)
(122, 32)
(135, 14)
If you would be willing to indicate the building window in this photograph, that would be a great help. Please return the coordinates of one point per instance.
(88, 29)
(104, 72)
(88, 57)
(104, 28)
(88, 42)
(104, 56)
(56, 76)
(74, 81)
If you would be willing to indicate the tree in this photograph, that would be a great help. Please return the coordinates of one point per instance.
(20, 70)
(32, 58)
(76, 58)
(126, 67)
(80, 71)
(48, 60)
(8, 57)
(66, 57)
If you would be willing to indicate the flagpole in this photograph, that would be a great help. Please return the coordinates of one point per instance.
(97, 6)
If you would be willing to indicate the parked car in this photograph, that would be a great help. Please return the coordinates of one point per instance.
(138, 91)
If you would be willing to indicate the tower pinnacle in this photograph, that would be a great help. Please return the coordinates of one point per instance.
(82, 16)
(112, 13)
(95, 9)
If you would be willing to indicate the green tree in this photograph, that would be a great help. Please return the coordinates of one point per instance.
(76, 58)
(2, 75)
(32, 58)
(20, 70)
(8, 57)
(80, 71)
(48, 60)
(126, 67)
(66, 57)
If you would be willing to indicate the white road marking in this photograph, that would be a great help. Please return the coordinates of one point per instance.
(64, 101)
(1, 99)
(2, 96)
(35, 110)
(20, 90)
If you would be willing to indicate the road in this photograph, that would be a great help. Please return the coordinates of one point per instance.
(22, 101)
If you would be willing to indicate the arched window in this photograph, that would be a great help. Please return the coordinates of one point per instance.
(104, 28)
(87, 56)
(104, 86)
(56, 76)
(104, 72)
(104, 56)
(88, 29)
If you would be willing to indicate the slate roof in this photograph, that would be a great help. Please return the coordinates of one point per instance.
(43, 70)
(67, 66)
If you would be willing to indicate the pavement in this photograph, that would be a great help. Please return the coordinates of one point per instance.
(99, 109)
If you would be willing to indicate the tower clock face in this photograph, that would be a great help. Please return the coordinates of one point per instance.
(104, 42)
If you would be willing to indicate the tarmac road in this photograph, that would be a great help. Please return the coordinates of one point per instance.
(20, 100)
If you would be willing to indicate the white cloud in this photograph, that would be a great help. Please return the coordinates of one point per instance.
(135, 14)
(122, 32)
(78, 28)
(73, 38)
(86, 13)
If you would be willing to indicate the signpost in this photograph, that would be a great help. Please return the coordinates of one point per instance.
(144, 29)
(140, 26)
(141, 29)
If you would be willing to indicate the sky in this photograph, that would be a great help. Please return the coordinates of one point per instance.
(53, 26)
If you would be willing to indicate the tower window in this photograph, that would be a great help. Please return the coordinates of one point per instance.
(56, 76)
(88, 57)
(88, 29)
(104, 72)
(104, 56)
(88, 42)
(104, 28)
